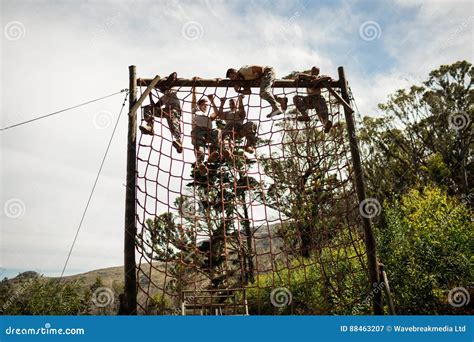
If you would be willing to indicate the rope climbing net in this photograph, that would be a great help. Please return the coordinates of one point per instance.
(276, 231)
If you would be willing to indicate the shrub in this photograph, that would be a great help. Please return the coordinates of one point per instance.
(425, 246)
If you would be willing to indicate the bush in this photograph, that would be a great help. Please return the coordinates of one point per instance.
(425, 247)
(37, 296)
(332, 281)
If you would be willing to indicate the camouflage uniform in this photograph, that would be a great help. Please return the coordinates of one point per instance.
(312, 101)
(267, 79)
(202, 134)
(172, 115)
(237, 129)
(171, 110)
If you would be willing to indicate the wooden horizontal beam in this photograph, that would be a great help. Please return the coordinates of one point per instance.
(225, 83)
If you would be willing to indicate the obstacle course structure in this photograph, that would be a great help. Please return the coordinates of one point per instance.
(258, 233)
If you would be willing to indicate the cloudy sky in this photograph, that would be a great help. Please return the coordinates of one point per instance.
(56, 54)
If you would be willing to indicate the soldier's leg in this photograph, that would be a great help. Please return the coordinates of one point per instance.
(148, 117)
(266, 83)
(228, 150)
(174, 124)
(283, 101)
(249, 131)
(198, 141)
(213, 140)
(301, 106)
(323, 114)
(227, 137)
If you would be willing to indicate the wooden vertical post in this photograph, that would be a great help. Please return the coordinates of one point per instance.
(361, 195)
(130, 282)
(386, 288)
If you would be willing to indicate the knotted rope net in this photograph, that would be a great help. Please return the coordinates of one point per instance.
(277, 231)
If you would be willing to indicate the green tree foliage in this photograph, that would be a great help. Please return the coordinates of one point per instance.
(426, 248)
(224, 195)
(424, 136)
(38, 296)
(307, 187)
(331, 281)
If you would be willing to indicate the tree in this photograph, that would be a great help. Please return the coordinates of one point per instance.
(222, 208)
(424, 136)
(310, 185)
(209, 241)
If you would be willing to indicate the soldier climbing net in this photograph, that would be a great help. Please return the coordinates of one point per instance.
(273, 232)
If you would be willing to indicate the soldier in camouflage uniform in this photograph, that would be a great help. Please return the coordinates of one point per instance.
(169, 107)
(314, 99)
(235, 128)
(202, 133)
(266, 75)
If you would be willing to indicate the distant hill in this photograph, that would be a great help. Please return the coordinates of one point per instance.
(113, 277)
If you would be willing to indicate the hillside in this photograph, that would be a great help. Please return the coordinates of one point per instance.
(113, 277)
